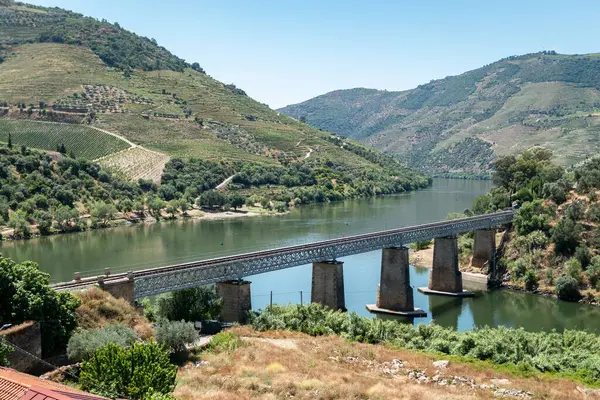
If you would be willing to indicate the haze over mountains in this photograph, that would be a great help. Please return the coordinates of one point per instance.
(459, 124)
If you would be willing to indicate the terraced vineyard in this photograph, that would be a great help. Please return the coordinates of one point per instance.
(136, 163)
(84, 141)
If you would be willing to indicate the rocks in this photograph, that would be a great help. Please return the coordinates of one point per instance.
(441, 364)
(512, 393)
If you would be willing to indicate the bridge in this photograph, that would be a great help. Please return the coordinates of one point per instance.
(394, 295)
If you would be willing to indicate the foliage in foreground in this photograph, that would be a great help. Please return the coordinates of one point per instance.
(138, 372)
(84, 343)
(571, 352)
(4, 351)
(25, 295)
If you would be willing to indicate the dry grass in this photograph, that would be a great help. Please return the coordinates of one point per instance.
(98, 309)
(332, 368)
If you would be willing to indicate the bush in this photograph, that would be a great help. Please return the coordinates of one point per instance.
(532, 216)
(583, 255)
(576, 210)
(574, 269)
(194, 304)
(531, 280)
(518, 268)
(418, 246)
(84, 343)
(136, 372)
(176, 335)
(224, 342)
(593, 213)
(593, 271)
(567, 289)
(566, 235)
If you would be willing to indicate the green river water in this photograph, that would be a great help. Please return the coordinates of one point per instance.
(152, 245)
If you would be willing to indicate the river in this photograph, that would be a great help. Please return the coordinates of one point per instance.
(152, 245)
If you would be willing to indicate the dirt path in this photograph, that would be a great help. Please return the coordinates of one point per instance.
(223, 185)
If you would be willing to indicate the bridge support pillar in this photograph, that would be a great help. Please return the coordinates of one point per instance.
(484, 249)
(395, 295)
(328, 284)
(237, 301)
(445, 277)
(120, 288)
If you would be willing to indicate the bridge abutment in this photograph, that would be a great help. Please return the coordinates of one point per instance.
(395, 295)
(237, 300)
(119, 288)
(328, 284)
(484, 249)
(445, 277)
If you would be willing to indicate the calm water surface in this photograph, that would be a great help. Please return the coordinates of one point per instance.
(144, 246)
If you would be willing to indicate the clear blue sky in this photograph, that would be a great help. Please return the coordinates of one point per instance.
(287, 51)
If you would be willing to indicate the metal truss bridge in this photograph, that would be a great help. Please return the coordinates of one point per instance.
(174, 277)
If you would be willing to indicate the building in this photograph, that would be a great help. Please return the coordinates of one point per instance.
(16, 385)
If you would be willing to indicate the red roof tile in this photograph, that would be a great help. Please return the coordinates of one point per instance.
(15, 385)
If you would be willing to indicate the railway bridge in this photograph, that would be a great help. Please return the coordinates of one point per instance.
(395, 294)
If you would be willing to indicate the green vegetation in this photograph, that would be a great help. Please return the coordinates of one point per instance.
(225, 342)
(135, 372)
(176, 335)
(194, 304)
(84, 343)
(4, 352)
(80, 140)
(573, 353)
(25, 296)
(555, 242)
(460, 124)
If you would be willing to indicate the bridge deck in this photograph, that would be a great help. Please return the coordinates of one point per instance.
(165, 279)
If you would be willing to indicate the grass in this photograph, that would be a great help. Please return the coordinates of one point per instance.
(99, 309)
(274, 365)
(82, 140)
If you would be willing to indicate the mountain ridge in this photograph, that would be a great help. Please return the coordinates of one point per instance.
(543, 99)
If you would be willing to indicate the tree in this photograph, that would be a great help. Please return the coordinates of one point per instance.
(65, 217)
(135, 372)
(18, 221)
(44, 221)
(61, 148)
(172, 207)
(567, 289)
(103, 212)
(10, 144)
(196, 67)
(194, 304)
(25, 295)
(237, 200)
(156, 205)
(566, 235)
(84, 343)
(183, 206)
(532, 216)
(212, 198)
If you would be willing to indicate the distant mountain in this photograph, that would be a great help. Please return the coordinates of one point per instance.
(460, 124)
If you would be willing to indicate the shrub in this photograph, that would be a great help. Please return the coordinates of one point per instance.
(593, 213)
(84, 343)
(135, 372)
(556, 191)
(566, 235)
(573, 269)
(225, 341)
(176, 335)
(567, 289)
(576, 210)
(532, 216)
(4, 352)
(593, 271)
(531, 280)
(518, 268)
(194, 304)
(418, 246)
(583, 255)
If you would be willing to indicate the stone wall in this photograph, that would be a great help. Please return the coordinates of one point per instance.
(237, 301)
(28, 337)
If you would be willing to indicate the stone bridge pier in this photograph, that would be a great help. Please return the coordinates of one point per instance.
(120, 288)
(394, 294)
(237, 300)
(484, 250)
(445, 277)
(328, 284)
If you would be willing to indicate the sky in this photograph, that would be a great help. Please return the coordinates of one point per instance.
(287, 51)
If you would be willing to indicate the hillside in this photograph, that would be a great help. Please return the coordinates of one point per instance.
(92, 90)
(459, 124)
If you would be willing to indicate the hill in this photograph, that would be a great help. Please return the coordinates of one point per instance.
(459, 124)
(93, 90)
